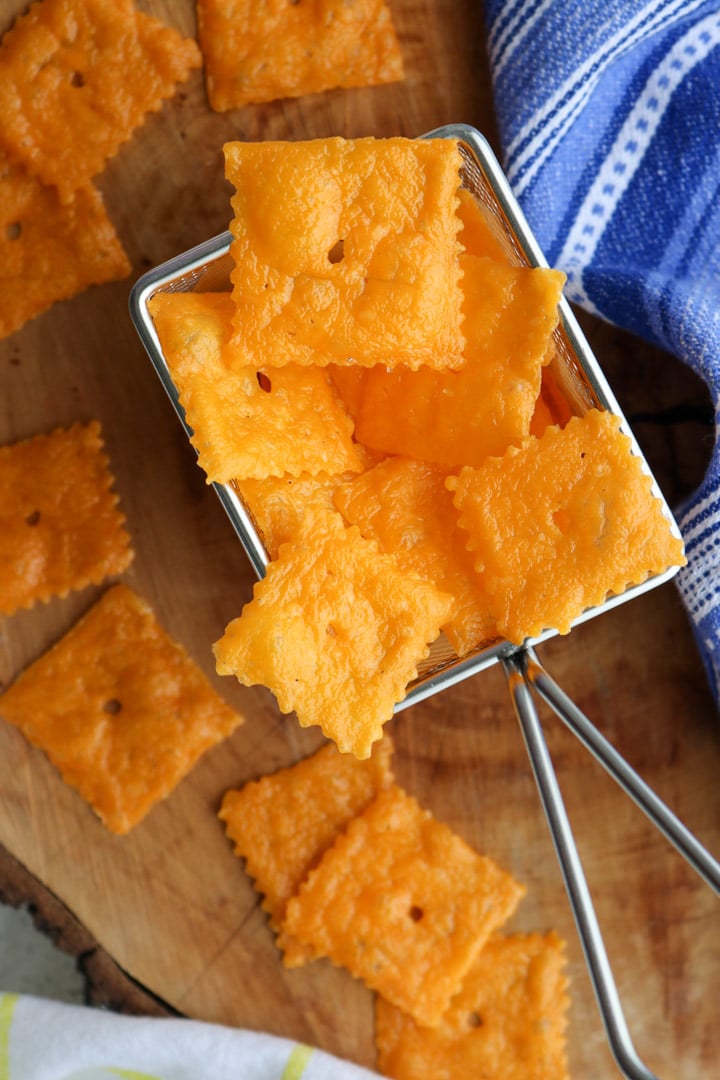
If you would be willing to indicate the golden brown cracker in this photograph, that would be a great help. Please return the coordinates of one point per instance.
(405, 506)
(283, 823)
(346, 250)
(50, 251)
(119, 708)
(60, 526)
(403, 903)
(480, 235)
(507, 1022)
(336, 630)
(561, 523)
(77, 77)
(284, 50)
(286, 508)
(248, 422)
(461, 417)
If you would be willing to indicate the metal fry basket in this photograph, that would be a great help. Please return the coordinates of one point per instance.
(583, 385)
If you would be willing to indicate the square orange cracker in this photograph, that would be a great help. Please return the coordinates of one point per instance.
(119, 708)
(562, 522)
(77, 77)
(286, 508)
(247, 421)
(287, 50)
(282, 824)
(346, 250)
(507, 1022)
(336, 630)
(403, 903)
(462, 417)
(405, 506)
(60, 526)
(50, 251)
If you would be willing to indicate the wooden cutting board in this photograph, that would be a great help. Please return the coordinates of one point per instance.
(170, 903)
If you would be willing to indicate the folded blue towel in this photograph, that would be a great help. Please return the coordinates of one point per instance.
(609, 117)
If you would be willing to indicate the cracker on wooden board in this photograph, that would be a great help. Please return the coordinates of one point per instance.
(119, 708)
(247, 421)
(346, 250)
(49, 250)
(560, 523)
(335, 630)
(405, 506)
(284, 50)
(60, 525)
(283, 823)
(77, 77)
(403, 903)
(507, 1022)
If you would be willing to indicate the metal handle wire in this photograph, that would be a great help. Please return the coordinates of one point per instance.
(615, 764)
(581, 903)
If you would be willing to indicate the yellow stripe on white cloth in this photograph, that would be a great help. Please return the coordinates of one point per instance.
(50, 1040)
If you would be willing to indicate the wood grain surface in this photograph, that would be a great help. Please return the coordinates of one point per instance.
(169, 903)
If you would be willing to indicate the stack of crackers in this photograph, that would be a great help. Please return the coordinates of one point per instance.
(376, 385)
(351, 868)
(77, 77)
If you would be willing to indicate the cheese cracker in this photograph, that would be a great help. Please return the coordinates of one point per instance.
(346, 250)
(336, 630)
(119, 708)
(248, 422)
(77, 77)
(558, 524)
(283, 823)
(60, 526)
(461, 417)
(507, 1022)
(405, 506)
(286, 50)
(403, 903)
(50, 251)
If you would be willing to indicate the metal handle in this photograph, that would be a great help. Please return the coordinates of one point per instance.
(578, 893)
(661, 816)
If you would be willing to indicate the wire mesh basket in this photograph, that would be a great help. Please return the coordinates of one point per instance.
(583, 386)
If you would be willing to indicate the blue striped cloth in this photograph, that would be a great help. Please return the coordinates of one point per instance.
(609, 117)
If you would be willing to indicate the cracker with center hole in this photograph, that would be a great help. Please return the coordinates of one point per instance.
(287, 50)
(559, 524)
(283, 823)
(336, 631)
(119, 708)
(247, 421)
(404, 904)
(77, 77)
(60, 526)
(50, 251)
(346, 250)
(507, 1022)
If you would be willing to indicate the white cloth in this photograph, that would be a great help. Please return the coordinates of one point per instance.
(47, 1040)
